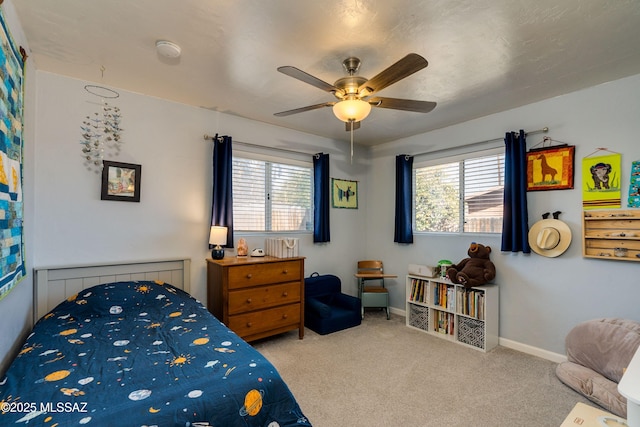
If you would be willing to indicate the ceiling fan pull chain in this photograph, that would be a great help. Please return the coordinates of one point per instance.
(351, 121)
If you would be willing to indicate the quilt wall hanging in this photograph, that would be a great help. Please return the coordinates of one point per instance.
(601, 180)
(550, 168)
(12, 58)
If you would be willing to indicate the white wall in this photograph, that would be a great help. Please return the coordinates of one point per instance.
(541, 299)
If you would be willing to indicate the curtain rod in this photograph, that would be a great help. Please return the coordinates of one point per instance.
(543, 130)
(248, 144)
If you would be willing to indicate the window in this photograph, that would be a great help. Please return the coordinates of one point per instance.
(271, 196)
(460, 196)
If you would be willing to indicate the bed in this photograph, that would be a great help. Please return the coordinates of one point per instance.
(128, 347)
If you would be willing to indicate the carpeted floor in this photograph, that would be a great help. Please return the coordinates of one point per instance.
(383, 373)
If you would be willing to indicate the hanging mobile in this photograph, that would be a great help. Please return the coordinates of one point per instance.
(101, 128)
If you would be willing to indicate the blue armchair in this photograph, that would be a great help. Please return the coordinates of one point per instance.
(327, 309)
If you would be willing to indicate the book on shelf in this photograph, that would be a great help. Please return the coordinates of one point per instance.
(444, 323)
(471, 303)
(417, 290)
(443, 296)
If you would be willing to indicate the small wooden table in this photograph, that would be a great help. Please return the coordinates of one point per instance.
(373, 296)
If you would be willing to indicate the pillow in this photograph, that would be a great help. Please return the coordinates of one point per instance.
(118, 299)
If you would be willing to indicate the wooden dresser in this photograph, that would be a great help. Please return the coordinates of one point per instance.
(257, 297)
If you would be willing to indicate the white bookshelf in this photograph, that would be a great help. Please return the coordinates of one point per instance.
(448, 310)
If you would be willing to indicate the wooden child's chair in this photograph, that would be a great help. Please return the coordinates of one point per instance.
(372, 295)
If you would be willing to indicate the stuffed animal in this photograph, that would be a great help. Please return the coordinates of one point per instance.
(475, 270)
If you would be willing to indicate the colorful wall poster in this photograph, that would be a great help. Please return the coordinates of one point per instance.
(634, 185)
(601, 181)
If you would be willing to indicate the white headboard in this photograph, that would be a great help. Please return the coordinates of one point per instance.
(52, 285)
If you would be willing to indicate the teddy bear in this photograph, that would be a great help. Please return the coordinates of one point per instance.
(475, 270)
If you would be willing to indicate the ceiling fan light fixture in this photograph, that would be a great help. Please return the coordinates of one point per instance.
(351, 110)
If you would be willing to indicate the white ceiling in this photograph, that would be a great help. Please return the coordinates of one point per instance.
(485, 56)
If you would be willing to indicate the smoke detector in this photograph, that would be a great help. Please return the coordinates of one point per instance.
(168, 49)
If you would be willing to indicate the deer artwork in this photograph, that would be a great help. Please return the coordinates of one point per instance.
(546, 169)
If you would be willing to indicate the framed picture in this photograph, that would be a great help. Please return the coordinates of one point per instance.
(550, 168)
(121, 181)
(344, 194)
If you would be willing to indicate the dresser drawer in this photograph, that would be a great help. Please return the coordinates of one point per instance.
(260, 321)
(250, 299)
(263, 274)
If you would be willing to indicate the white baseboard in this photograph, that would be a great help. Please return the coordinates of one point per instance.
(534, 351)
(397, 311)
(514, 345)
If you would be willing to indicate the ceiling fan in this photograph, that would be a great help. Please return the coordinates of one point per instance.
(353, 93)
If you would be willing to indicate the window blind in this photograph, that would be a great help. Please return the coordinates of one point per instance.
(271, 196)
(464, 195)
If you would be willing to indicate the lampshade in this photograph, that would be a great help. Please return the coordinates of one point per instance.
(352, 109)
(218, 235)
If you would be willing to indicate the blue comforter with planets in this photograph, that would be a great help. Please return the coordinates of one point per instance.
(141, 353)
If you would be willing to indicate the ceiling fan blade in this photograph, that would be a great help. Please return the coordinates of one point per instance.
(396, 72)
(303, 109)
(307, 78)
(402, 104)
(347, 126)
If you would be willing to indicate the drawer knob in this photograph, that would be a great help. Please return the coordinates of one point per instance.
(284, 316)
(285, 294)
(248, 300)
(249, 324)
(285, 271)
(249, 276)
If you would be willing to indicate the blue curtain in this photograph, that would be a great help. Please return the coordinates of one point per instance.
(321, 195)
(222, 200)
(515, 221)
(404, 189)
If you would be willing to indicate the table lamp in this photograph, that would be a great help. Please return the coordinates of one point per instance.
(217, 237)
